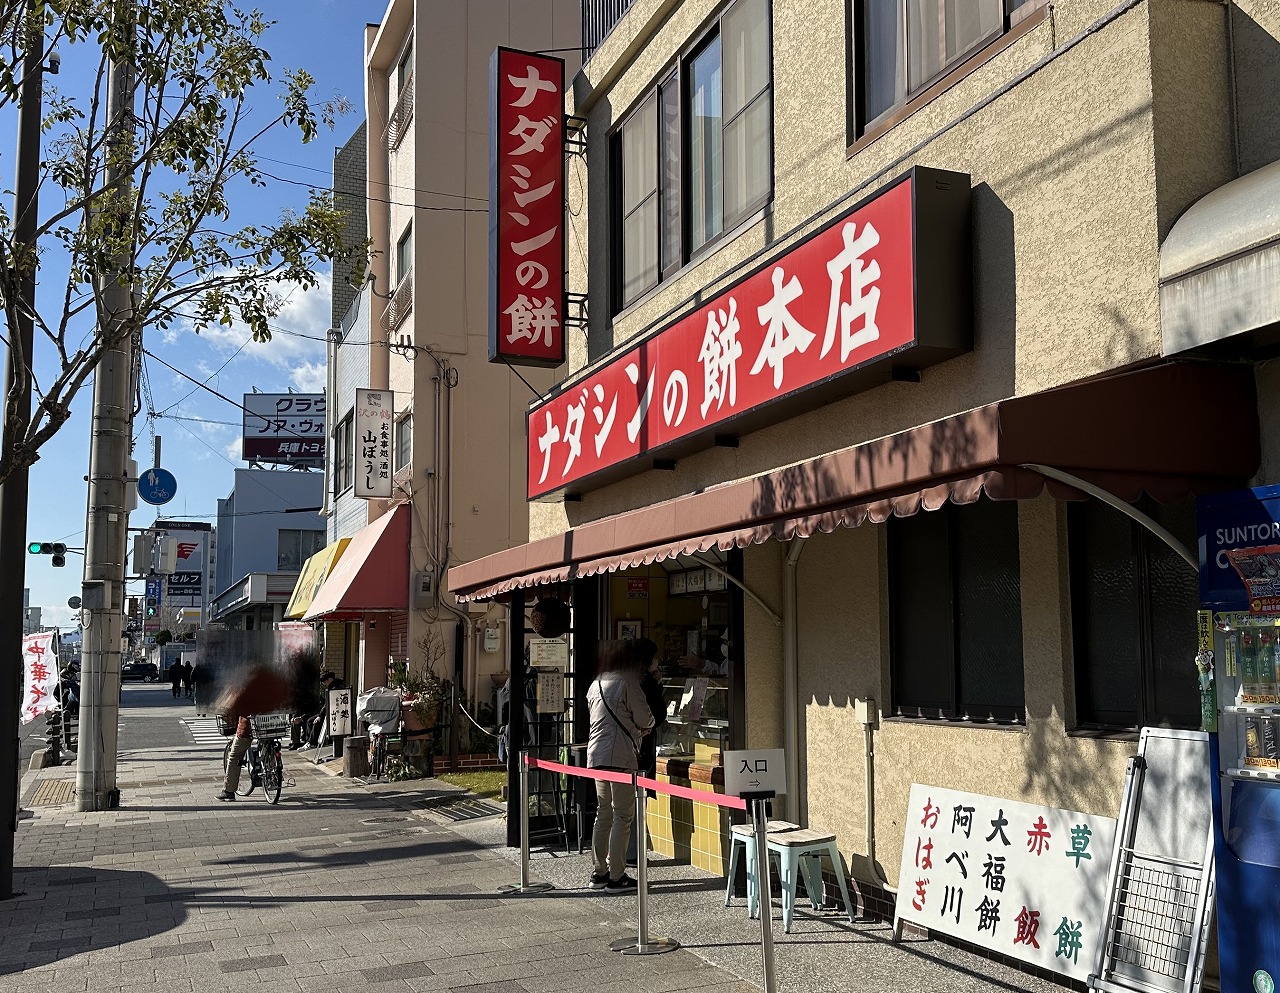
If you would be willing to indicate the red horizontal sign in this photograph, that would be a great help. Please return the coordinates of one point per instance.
(526, 208)
(839, 301)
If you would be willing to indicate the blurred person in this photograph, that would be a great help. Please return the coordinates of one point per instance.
(647, 658)
(243, 739)
(175, 678)
(316, 723)
(620, 718)
(187, 679)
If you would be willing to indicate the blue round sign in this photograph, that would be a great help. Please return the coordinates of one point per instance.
(156, 486)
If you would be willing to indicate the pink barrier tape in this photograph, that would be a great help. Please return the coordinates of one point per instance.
(684, 792)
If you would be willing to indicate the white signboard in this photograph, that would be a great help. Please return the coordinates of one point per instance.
(548, 651)
(339, 712)
(374, 416)
(550, 691)
(756, 770)
(1022, 880)
(39, 676)
(284, 427)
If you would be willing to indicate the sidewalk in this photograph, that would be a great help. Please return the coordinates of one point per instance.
(347, 887)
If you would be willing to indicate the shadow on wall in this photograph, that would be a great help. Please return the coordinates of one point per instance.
(1257, 62)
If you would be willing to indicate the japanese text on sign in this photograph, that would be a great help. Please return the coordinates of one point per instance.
(1021, 880)
(526, 208)
(39, 676)
(374, 414)
(339, 712)
(838, 301)
(284, 427)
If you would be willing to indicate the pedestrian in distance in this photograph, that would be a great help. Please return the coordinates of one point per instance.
(175, 678)
(187, 682)
(620, 718)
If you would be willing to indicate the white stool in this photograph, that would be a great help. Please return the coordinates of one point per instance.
(743, 835)
(801, 852)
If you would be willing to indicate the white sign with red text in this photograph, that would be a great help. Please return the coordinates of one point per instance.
(1020, 879)
(374, 416)
(526, 208)
(39, 675)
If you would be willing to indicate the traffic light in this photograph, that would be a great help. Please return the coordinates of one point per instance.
(153, 606)
(55, 548)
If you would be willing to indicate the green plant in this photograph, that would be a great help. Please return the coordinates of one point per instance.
(418, 678)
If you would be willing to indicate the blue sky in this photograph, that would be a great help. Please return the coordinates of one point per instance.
(201, 433)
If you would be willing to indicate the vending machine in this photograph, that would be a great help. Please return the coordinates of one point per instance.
(1239, 663)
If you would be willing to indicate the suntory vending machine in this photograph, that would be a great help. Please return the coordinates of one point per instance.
(1239, 664)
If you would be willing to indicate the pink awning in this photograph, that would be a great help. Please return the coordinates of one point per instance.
(373, 574)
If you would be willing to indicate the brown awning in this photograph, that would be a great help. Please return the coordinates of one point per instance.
(1169, 431)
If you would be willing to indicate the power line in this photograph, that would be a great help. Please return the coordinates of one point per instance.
(371, 199)
(394, 186)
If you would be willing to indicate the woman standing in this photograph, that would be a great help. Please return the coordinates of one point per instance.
(620, 718)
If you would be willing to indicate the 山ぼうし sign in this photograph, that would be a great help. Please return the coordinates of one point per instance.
(1023, 880)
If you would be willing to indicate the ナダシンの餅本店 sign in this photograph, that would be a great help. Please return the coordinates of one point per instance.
(883, 286)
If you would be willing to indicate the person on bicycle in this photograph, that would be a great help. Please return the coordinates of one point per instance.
(244, 738)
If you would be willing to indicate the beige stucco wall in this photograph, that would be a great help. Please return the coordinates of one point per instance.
(1078, 172)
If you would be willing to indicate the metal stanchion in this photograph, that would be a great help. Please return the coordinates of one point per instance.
(760, 821)
(643, 944)
(524, 886)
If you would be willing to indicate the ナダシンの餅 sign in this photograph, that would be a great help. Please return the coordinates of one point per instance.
(883, 286)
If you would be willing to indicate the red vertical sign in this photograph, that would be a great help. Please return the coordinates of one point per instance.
(526, 208)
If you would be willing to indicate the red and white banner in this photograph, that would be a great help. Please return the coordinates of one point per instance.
(526, 208)
(843, 299)
(39, 675)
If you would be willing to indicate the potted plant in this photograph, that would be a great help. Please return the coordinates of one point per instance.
(422, 689)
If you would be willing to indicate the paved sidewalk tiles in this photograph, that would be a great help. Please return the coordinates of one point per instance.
(375, 888)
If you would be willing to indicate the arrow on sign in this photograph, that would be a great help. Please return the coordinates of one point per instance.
(754, 782)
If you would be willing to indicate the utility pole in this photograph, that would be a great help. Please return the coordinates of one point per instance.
(13, 494)
(107, 525)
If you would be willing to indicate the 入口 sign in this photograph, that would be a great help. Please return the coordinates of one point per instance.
(1020, 879)
(756, 770)
(526, 208)
(374, 414)
(885, 284)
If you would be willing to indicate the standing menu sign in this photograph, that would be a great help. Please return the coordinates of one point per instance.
(526, 208)
(1022, 880)
(375, 410)
(339, 713)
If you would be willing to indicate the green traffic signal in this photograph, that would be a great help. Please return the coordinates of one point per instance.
(35, 548)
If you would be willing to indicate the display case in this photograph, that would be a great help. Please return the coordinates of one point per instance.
(697, 717)
(1249, 722)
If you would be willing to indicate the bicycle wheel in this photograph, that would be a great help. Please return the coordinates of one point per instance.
(248, 778)
(378, 764)
(272, 772)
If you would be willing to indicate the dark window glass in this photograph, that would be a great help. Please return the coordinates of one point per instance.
(900, 47)
(1133, 607)
(404, 254)
(404, 441)
(640, 200)
(706, 148)
(672, 235)
(956, 613)
(343, 466)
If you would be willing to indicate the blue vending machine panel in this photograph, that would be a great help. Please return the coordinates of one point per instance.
(1239, 539)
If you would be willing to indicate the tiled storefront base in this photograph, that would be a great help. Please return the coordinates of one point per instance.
(686, 831)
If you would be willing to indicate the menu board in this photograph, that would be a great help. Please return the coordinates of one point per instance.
(1020, 879)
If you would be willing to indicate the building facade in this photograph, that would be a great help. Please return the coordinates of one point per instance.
(418, 329)
(884, 295)
(268, 526)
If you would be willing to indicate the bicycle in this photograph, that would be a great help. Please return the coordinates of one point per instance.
(262, 765)
(383, 738)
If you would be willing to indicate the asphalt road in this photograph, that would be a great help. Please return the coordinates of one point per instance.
(150, 718)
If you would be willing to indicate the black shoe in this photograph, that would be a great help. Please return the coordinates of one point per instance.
(624, 885)
(598, 880)
(225, 795)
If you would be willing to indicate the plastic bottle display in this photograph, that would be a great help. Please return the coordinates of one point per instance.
(1268, 643)
(1249, 651)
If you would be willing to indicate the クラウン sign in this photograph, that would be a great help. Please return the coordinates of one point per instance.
(284, 427)
(526, 208)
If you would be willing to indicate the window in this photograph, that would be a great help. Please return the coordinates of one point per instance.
(404, 441)
(294, 547)
(955, 613)
(404, 69)
(1133, 612)
(343, 464)
(695, 156)
(404, 254)
(900, 47)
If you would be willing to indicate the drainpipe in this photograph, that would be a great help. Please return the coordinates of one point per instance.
(333, 337)
(870, 718)
(796, 806)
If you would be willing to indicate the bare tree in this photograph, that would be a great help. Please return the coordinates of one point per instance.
(197, 65)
